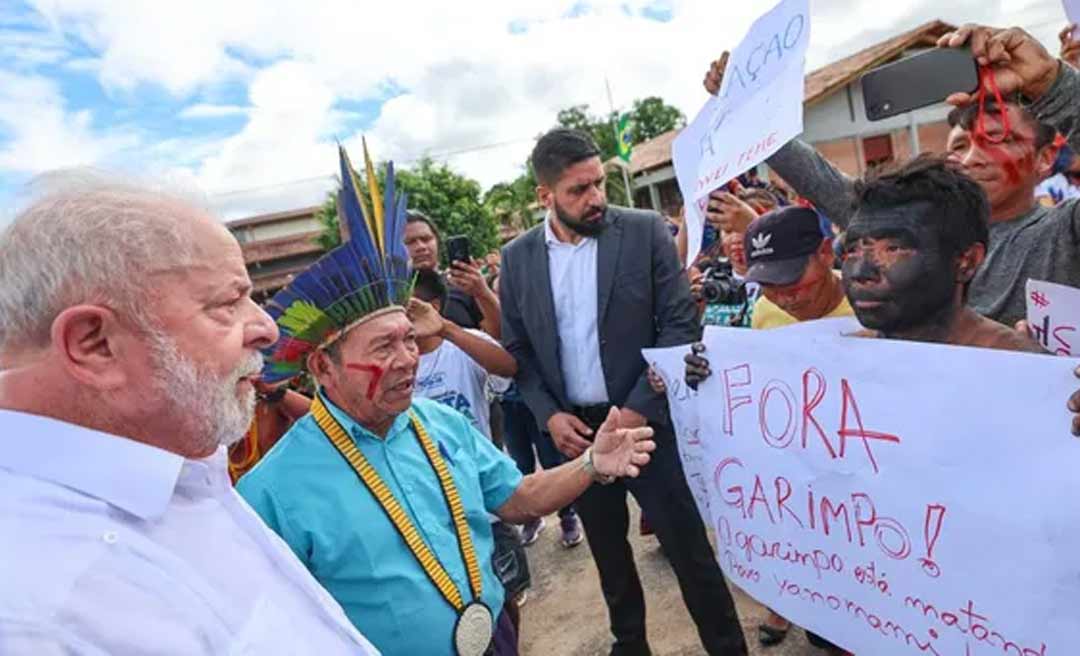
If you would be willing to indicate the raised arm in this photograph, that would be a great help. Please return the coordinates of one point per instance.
(481, 348)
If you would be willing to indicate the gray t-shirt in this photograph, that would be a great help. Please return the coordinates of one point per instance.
(1043, 244)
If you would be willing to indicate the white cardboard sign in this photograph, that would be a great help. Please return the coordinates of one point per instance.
(1053, 315)
(758, 110)
(894, 497)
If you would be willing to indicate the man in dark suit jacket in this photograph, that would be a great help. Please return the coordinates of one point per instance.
(581, 295)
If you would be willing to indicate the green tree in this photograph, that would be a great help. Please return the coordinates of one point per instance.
(649, 118)
(330, 226)
(512, 203)
(598, 127)
(452, 201)
(652, 117)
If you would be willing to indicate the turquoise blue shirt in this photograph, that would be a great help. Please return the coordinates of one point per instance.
(310, 496)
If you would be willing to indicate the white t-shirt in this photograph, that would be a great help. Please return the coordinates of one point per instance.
(1057, 188)
(448, 375)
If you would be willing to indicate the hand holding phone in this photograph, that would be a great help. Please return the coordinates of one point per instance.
(918, 81)
(457, 249)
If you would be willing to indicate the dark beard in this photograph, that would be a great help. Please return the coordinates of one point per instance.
(583, 228)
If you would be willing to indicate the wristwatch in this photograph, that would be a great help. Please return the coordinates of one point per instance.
(590, 469)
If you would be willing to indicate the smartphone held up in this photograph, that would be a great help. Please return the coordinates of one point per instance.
(457, 249)
(924, 79)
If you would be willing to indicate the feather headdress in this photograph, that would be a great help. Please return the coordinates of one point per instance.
(360, 279)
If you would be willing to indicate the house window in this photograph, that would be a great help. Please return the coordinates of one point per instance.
(877, 150)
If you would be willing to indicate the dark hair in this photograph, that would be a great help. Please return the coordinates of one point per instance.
(416, 216)
(429, 286)
(965, 117)
(961, 207)
(558, 150)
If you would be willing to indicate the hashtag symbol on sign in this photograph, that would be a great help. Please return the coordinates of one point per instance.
(1039, 299)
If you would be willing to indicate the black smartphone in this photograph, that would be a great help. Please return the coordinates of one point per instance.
(925, 79)
(457, 249)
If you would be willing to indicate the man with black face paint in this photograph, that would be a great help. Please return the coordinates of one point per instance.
(581, 295)
(1006, 148)
(917, 236)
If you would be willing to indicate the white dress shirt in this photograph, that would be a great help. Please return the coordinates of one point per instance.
(574, 290)
(110, 546)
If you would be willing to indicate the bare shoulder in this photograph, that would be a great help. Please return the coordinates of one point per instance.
(991, 334)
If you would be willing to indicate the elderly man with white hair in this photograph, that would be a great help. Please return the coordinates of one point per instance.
(128, 349)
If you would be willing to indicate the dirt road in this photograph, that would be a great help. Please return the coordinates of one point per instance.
(565, 613)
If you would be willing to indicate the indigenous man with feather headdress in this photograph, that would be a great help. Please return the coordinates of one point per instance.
(385, 497)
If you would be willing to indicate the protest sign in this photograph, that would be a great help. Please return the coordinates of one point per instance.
(682, 400)
(758, 110)
(829, 326)
(1053, 315)
(1072, 10)
(897, 498)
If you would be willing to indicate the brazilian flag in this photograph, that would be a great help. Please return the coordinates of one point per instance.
(625, 138)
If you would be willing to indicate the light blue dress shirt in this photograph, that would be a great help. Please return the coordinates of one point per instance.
(574, 290)
(306, 491)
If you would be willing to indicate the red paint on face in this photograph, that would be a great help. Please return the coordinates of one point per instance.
(1015, 168)
(376, 372)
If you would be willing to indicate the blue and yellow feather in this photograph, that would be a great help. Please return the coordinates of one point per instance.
(367, 273)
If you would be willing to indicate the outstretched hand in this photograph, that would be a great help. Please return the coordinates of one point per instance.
(621, 451)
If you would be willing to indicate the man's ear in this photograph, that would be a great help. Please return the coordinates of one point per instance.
(544, 195)
(87, 340)
(968, 262)
(1044, 161)
(319, 364)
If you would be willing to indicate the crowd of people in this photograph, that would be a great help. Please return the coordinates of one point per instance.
(166, 490)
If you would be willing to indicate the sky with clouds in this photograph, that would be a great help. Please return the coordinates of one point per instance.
(243, 100)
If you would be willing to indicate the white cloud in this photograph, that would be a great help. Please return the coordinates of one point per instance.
(43, 134)
(467, 81)
(207, 110)
(27, 50)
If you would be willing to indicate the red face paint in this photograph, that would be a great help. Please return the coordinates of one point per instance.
(1014, 168)
(376, 376)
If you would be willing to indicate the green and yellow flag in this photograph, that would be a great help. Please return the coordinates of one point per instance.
(625, 138)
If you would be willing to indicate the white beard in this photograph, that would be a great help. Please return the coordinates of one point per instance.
(209, 404)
